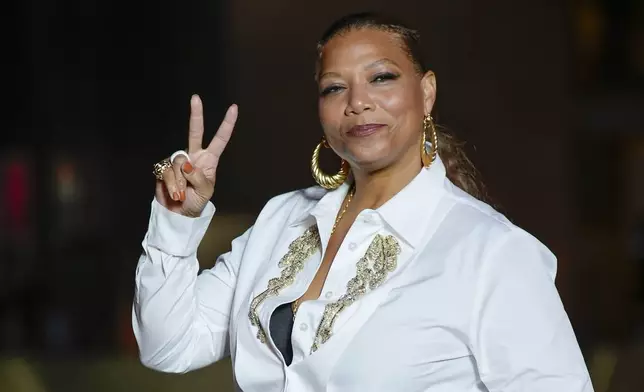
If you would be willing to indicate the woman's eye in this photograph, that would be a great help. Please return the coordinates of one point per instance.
(380, 78)
(329, 90)
(383, 77)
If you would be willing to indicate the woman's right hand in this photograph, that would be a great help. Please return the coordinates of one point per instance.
(188, 186)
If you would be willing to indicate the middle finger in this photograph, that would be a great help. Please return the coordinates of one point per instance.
(195, 128)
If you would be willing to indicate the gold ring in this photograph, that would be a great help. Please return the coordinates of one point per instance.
(161, 167)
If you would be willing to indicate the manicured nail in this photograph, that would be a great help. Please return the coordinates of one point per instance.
(175, 196)
(183, 196)
(187, 168)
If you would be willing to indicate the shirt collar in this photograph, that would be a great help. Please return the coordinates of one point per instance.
(322, 201)
(407, 213)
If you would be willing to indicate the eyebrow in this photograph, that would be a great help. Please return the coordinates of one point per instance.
(380, 62)
(369, 66)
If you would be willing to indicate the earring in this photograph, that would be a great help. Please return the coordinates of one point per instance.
(428, 127)
(324, 180)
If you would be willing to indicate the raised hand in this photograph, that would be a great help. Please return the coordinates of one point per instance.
(187, 186)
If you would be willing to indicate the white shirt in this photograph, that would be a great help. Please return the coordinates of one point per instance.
(468, 302)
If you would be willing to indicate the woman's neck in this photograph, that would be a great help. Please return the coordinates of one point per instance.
(376, 188)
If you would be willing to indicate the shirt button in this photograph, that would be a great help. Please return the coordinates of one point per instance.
(352, 246)
(303, 327)
(328, 294)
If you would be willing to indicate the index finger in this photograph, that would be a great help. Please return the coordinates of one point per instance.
(224, 132)
(195, 127)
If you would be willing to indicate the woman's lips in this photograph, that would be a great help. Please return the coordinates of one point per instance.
(364, 130)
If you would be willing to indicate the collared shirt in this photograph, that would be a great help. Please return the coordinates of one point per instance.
(433, 291)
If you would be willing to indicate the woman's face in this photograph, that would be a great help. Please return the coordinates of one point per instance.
(372, 99)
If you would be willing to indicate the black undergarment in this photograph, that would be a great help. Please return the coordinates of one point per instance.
(281, 328)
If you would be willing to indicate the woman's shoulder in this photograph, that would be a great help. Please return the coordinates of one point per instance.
(477, 212)
(491, 229)
(292, 203)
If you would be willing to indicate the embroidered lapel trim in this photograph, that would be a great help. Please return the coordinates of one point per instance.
(300, 250)
(372, 269)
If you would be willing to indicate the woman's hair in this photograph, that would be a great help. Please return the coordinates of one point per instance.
(459, 168)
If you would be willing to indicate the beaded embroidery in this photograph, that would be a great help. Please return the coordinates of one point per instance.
(300, 250)
(371, 270)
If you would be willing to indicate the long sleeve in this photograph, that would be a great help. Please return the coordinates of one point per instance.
(522, 337)
(180, 317)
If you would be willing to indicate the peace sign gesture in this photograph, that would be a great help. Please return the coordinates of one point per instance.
(188, 185)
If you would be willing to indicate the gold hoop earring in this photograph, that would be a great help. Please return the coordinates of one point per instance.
(324, 180)
(429, 156)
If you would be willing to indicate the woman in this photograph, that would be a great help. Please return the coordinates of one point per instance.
(393, 278)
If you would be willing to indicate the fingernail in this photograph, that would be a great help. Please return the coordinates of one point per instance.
(187, 168)
(183, 195)
(175, 196)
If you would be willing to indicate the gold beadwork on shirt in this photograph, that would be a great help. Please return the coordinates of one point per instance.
(371, 270)
(300, 250)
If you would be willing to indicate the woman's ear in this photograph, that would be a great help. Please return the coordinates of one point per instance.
(428, 85)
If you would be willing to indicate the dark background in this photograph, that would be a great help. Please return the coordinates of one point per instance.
(549, 96)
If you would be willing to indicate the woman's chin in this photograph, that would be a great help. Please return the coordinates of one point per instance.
(371, 157)
(369, 164)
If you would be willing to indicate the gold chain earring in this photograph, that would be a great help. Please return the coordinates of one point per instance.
(324, 180)
(429, 156)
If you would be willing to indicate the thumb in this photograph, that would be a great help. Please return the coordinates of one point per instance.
(197, 179)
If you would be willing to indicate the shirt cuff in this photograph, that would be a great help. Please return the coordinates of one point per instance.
(175, 234)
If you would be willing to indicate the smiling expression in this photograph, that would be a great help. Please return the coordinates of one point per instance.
(372, 99)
